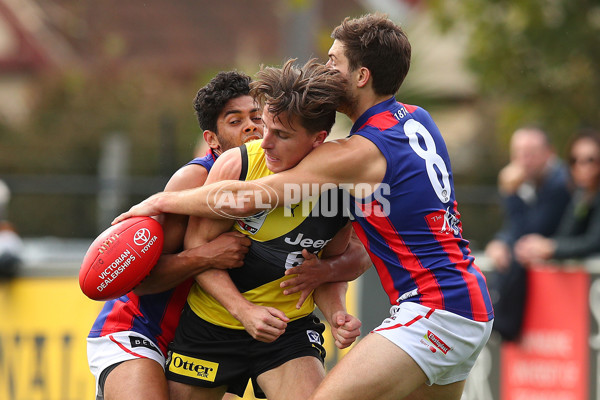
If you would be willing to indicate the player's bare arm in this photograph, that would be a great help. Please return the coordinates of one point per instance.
(265, 324)
(202, 230)
(175, 266)
(174, 225)
(331, 297)
(170, 265)
(348, 161)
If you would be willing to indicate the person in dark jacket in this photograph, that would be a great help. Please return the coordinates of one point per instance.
(535, 193)
(578, 234)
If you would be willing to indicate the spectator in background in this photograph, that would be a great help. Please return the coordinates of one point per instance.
(11, 245)
(4, 200)
(578, 234)
(535, 193)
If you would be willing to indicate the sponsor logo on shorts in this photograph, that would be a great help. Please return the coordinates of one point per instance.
(192, 367)
(426, 344)
(141, 342)
(437, 342)
(313, 336)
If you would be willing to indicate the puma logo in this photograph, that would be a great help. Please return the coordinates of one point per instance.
(293, 208)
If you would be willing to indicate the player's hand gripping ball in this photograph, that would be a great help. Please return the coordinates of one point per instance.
(120, 258)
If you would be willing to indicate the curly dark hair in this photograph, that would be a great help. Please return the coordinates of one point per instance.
(375, 42)
(211, 99)
(312, 93)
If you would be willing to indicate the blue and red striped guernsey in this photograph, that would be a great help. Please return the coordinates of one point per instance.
(416, 244)
(154, 316)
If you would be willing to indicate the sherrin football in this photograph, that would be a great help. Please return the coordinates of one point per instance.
(120, 258)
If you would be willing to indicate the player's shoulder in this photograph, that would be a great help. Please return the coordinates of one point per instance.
(343, 152)
(230, 157)
(228, 165)
(411, 108)
(345, 157)
(349, 143)
(188, 176)
(359, 147)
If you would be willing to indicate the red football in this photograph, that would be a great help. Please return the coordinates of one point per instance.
(120, 258)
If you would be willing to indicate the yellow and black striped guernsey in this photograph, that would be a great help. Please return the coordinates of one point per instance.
(278, 238)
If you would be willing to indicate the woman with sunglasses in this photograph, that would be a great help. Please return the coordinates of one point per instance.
(578, 235)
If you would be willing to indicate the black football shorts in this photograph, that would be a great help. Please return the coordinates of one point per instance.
(207, 355)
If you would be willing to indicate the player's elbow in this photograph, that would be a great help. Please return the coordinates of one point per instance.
(248, 209)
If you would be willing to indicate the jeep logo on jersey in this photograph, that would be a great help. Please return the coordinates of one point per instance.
(227, 199)
(301, 241)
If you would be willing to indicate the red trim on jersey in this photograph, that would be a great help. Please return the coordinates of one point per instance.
(409, 108)
(212, 154)
(125, 349)
(382, 121)
(384, 275)
(450, 245)
(423, 278)
(409, 323)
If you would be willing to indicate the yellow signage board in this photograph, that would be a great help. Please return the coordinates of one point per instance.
(44, 322)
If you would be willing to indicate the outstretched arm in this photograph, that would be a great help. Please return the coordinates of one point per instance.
(345, 162)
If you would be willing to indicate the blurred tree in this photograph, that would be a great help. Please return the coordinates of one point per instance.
(535, 60)
(59, 147)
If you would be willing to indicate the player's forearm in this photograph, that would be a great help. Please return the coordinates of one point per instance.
(171, 270)
(219, 285)
(330, 298)
(185, 202)
(225, 198)
(349, 265)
